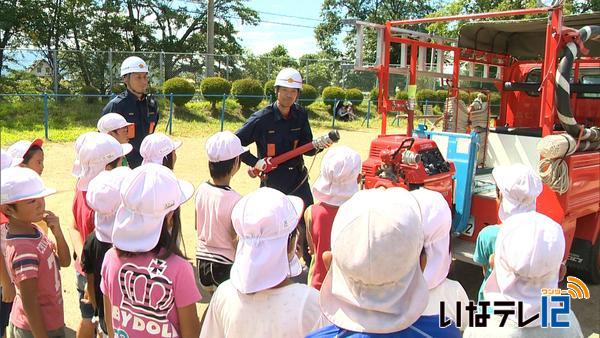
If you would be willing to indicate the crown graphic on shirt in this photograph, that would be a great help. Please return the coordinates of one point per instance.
(146, 290)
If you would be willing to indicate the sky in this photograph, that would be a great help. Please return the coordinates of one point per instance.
(273, 31)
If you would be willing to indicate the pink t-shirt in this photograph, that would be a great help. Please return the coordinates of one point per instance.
(32, 256)
(145, 293)
(84, 221)
(216, 237)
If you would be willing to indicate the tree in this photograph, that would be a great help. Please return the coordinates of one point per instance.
(266, 66)
(320, 70)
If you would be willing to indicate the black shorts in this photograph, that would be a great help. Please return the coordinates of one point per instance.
(212, 274)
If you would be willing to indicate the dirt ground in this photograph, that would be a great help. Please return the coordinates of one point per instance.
(192, 166)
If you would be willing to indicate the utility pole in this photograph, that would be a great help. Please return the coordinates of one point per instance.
(210, 35)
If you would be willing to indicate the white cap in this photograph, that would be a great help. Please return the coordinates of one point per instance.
(156, 146)
(375, 283)
(19, 183)
(8, 161)
(20, 148)
(224, 146)
(133, 64)
(529, 250)
(111, 122)
(76, 169)
(338, 180)
(96, 151)
(520, 186)
(437, 221)
(263, 220)
(290, 78)
(103, 195)
(148, 194)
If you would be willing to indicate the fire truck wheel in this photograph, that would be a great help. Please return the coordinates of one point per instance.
(593, 271)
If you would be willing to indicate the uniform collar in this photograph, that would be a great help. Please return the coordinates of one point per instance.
(277, 114)
(130, 93)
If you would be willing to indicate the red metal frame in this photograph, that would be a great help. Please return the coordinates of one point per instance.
(517, 12)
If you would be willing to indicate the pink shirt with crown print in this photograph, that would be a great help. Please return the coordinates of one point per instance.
(145, 293)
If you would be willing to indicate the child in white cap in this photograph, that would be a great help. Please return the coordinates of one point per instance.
(103, 196)
(146, 280)
(338, 181)
(518, 187)
(116, 126)
(159, 148)
(529, 251)
(30, 154)
(260, 299)
(97, 152)
(437, 221)
(215, 199)
(375, 287)
(33, 266)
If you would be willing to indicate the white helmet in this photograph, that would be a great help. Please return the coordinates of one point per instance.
(133, 64)
(290, 78)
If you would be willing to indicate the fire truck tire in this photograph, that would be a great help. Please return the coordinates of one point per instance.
(592, 273)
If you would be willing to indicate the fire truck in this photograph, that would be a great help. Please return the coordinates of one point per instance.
(547, 71)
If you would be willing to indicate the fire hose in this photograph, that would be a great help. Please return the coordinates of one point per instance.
(553, 169)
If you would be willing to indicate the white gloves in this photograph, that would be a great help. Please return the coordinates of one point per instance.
(322, 142)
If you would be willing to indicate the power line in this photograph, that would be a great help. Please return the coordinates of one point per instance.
(290, 16)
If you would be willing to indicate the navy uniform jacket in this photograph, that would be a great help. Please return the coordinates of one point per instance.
(274, 136)
(143, 113)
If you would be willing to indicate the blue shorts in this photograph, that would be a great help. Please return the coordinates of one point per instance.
(87, 310)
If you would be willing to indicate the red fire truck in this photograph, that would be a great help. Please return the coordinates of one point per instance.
(547, 72)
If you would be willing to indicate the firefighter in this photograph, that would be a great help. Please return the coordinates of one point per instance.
(135, 105)
(278, 128)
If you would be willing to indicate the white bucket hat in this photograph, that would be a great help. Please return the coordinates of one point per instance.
(103, 195)
(76, 169)
(20, 148)
(375, 283)
(19, 184)
(263, 221)
(96, 151)
(529, 251)
(148, 194)
(520, 186)
(437, 221)
(7, 161)
(111, 122)
(224, 146)
(338, 179)
(156, 146)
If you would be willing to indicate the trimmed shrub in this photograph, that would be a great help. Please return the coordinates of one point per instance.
(401, 95)
(374, 96)
(118, 88)
(248, 93)
(213, 89)
(308, 95)
(332, 93)
(495, 103)
(440, 97)
(270, 90)
(355, 96)
(425, 95)
(463, 95)
(179, 86)
(90, 90)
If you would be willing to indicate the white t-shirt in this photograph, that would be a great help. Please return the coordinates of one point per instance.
(290, 311)
(450, 291)
(216, 237)
(510, 330)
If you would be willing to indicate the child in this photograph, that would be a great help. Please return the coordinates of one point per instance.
(215, 249)
(104, 198)
(260, 299)
(31, 154)
(148, 286)
(159, 148)
(32, 264)
(437, 221)
(97, 152)
(340, 173)
(116, 126)
(517, 187)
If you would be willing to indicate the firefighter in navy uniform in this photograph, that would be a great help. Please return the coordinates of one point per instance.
(135, 106)
(276, 129)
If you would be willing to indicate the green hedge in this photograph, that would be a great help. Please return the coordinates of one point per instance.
(401, 95)
(270, 90)
(355, 96)
(374, 96)
(118, 88)
(213, 89)
(332, 93)
(308, 95)
(179, 86)
(90, 90)
(247, 87)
